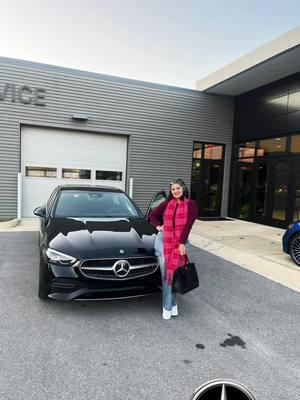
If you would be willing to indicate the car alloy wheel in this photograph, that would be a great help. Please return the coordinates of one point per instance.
(295, 249)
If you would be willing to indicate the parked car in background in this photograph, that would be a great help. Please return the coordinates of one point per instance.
(95, 243)
(291, 241)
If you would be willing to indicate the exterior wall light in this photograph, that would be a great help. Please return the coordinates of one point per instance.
(80, 117)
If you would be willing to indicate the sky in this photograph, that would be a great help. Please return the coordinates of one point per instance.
(172, 42)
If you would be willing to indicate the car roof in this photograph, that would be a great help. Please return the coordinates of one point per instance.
(89, 187)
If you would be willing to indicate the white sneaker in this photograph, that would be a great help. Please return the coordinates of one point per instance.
(166, 314)
(174, 311)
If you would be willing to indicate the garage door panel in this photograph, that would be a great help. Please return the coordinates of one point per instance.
(35, 193)
(62, 149)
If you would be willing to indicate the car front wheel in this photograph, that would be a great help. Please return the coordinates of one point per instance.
(295, 249)
(44, 277)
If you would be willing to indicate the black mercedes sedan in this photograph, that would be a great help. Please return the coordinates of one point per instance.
(95, 244)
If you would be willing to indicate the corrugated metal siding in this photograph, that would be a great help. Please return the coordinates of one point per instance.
(162, 123)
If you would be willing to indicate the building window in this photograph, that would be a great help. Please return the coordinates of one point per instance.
(246, 152)
(197, 151)
(213, 151)
(295, 144)
(72, 173)
(276, 145)
(109, 175)
(41, 172)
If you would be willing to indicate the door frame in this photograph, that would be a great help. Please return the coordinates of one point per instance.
(200, 182)
(271, 163)
(217, 212)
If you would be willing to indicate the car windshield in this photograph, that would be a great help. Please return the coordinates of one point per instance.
(94, 204)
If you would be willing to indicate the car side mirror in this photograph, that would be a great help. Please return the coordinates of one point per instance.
(40, 212)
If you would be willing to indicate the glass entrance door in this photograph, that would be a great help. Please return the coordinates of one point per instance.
(268, 192)
(273, 192)
(211, 183)
(244, 193)
(295, 196)
(266, 184)
(207, 178)
(279, 191)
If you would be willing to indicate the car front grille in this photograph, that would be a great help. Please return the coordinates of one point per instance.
(134, 267)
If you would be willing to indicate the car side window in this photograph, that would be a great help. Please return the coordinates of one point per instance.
(157, 199)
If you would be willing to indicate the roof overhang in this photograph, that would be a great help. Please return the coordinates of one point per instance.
(266, 64)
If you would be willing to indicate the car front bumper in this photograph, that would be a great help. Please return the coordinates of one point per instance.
(68, 283)
(96, 293)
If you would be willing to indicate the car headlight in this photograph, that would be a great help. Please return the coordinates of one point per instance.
(59, 258)
(291, 226)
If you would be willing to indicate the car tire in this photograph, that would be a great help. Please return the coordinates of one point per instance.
(295, 249)
(44, 278)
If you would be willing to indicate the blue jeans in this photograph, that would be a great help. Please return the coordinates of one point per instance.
(168, 297)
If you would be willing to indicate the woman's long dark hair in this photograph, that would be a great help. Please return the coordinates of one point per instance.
(185, 194)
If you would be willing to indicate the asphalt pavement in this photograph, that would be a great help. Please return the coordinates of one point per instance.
(236, 325)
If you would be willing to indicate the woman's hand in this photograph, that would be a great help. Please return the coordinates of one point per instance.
(182, 249)
(160, 228)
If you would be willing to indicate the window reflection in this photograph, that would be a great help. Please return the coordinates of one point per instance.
(294, 102)
(268, 188)
(41, 172)
(213, 152)
(247, 160)
(196, 170)
(261, 192)
(295, 144)
(109, 175)
(206, 182)
(280, 191)
(296, 215)
(211, 186)
(197, 150)
(246, 152)
(244, 190)
(71, 173)
(268, 146)
(280, 102)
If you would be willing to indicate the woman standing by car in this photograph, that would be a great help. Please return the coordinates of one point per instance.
(173, 219)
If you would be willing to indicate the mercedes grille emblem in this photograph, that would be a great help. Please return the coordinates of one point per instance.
(221, 389)
(121, 268)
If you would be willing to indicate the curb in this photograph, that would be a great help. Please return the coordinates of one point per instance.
(286, 276)
(9, 224)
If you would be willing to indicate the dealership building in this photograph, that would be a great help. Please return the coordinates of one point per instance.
(235, 140)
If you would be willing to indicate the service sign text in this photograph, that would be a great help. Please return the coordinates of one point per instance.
(22, 93)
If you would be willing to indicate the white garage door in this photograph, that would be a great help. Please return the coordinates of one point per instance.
(51, 157)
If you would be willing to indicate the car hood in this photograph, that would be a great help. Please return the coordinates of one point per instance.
(100, 238)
